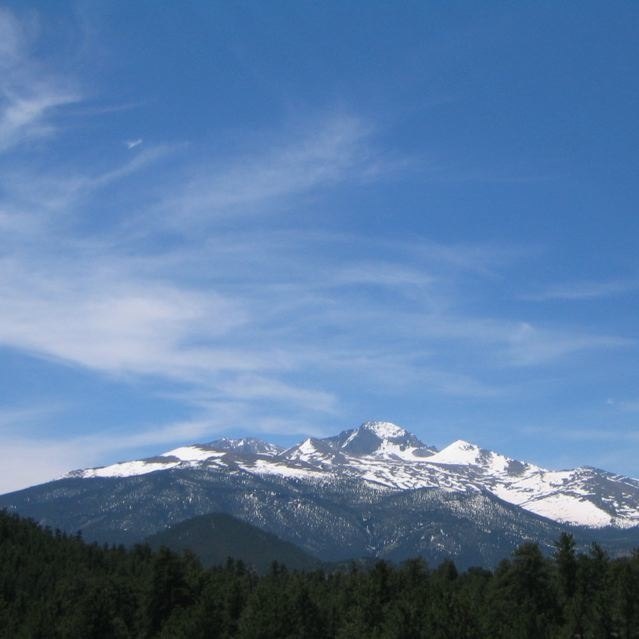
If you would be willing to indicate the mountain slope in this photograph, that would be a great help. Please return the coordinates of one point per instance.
(216, 537)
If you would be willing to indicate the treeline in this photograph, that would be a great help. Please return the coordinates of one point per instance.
(54, 585)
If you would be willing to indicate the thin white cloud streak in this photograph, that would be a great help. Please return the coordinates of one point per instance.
(111, 321)
(284, 280)
(24, 116)
(47, 202)
(322, 154)
(381, 274)
(577, 291)
(29, 94)
(399, 373)
(12, 39)
(511, 343)
(520, 343)
(630, 406)
(250, 387)
(22, 417)
(117, 325)
(287, 280)
(529, 345)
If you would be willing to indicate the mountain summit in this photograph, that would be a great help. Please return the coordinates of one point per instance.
(382, 439)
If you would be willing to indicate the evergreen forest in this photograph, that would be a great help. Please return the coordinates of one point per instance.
(54, 585)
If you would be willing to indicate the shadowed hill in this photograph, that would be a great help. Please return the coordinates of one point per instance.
(217, 536)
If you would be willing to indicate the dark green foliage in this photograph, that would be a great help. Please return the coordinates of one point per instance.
(566, 563)
(217, 536)
(523, 598)
(54, 585)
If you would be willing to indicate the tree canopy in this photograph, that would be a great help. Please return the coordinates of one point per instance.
(55, 585)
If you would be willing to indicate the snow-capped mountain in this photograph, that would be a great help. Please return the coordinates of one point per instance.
(384, 456)
(246, 445)
(375, 491)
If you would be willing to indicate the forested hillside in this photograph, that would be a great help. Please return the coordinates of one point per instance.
(52, 585)
(214, 537)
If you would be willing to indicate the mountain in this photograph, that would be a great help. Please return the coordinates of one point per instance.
(376, 490)
(386, 456)
(247, 446)
(216, 537)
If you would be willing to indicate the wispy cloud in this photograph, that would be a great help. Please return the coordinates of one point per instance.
(249, 387)
(50, 197)
(323, 153)
(29, 93)
(529, 345)
(627, 405)
(107, 321)
(23, 417)
(582, 290)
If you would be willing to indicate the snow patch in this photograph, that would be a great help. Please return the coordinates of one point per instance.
(385, 430)
(569, 510)
(459, 452)
(192, 453)
(128, 469)
(307, 447)
(388, 449)
(263, 467)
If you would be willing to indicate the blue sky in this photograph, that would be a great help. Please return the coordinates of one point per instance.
(286, 218)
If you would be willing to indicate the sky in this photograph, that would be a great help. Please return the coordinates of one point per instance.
(282, 219)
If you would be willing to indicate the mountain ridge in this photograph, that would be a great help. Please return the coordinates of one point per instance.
(388, 455)
(372, 491)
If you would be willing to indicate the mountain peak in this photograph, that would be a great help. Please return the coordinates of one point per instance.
(459, 452)
(378, 438)
(245, 445)
(313, 451)
(385, 430)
